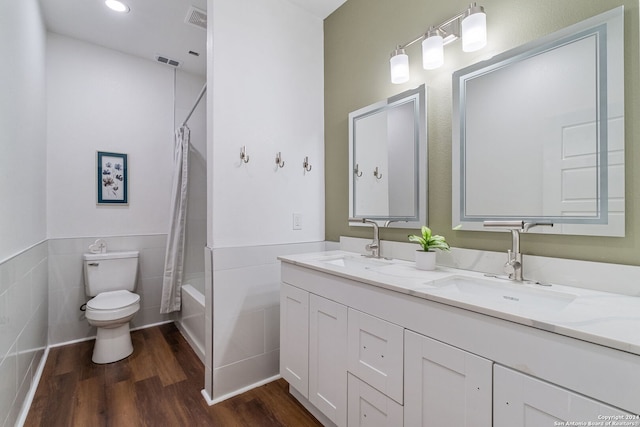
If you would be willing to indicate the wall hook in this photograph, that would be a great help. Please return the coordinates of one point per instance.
(377, 174)
(243, 154)
(357, 171)
(306, 164)
(279, 160)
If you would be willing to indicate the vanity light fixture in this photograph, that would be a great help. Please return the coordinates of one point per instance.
(470, 25)
(399, 66)
(116, 5)
(432, 50)
(474, 29)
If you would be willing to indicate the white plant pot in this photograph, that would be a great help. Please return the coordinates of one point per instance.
(426, 260)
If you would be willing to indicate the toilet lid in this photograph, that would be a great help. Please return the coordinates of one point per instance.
(112, 300)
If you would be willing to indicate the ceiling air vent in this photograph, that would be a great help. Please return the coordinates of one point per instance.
(196, 17)
(167, 61)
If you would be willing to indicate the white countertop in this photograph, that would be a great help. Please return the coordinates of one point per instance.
(603, 318)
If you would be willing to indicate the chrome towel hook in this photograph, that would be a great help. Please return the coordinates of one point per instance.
(357, 171)
(377, 174)
(279, 160)
(306, 164)
(243, 154)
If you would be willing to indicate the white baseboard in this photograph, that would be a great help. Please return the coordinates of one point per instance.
(212, 402)
(26, 405)
(93, 337)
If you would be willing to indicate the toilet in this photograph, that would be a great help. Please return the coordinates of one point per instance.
(110, 278)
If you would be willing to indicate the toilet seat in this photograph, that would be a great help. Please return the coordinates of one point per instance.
(112, 305)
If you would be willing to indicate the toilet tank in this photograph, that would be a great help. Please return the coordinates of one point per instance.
(111, 271)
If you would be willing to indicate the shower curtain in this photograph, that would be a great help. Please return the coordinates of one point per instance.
(174, 258)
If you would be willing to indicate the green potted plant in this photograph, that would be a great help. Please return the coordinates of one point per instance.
(426, 257)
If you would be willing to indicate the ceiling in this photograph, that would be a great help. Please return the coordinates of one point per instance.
(151, 28)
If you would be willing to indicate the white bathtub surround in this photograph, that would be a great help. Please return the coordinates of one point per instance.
(188, 86)
(196, 280)
(24, 305)
(66, 284)
(246, 310)
(616, 278)
(191, 319)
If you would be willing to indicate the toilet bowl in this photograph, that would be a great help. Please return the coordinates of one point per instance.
(110, 312)
(110, 279)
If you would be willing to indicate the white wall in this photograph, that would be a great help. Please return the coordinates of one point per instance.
(22, 127)
(100, 99)
(103, 100)
(268, 86)
(23, 254)
(266, 93)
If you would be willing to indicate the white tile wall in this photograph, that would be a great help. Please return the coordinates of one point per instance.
(208, 324)
(246, 310)
(66, 283)
(23, 326)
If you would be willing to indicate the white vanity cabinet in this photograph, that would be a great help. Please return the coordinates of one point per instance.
(445, 385)
(328, 358)
(366, 352)
(521, 400)
(313, 350)
(294, 337)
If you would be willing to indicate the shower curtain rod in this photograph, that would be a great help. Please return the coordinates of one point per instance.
(204, 89)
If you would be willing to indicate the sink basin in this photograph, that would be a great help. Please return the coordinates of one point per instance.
(504, 293)
(357, 262)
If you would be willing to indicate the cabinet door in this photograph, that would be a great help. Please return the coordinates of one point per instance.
(370, 408)
(328, 358)
(521, 400)
(294, 337)
(375, 353)
(445, 386)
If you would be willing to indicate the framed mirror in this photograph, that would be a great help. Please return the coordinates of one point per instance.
(538, 133)
(388, 161)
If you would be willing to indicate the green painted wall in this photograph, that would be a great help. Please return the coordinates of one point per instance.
(359, 37)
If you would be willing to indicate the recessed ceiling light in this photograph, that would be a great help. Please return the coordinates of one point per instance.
(116, 5)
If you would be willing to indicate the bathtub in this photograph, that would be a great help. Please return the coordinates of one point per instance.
(191, 319)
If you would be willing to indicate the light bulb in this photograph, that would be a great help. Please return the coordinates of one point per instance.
(474, 29)
(432, 52)
(116, 5)
(399, 63)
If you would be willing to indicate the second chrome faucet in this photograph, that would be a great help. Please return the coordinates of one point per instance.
(374, 246)
(513, 266)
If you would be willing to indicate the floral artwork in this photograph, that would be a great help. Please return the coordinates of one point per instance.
(112, 178)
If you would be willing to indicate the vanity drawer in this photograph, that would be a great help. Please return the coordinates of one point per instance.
(375, 353)
(367, 407)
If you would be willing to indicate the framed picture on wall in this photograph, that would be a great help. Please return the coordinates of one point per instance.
(112, 178)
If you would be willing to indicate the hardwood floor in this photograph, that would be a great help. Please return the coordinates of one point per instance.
(158, 385)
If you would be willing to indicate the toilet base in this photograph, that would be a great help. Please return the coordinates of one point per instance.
(112, 344)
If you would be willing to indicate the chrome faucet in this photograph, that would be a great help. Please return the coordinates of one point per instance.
(513, 266)
(374, 246)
